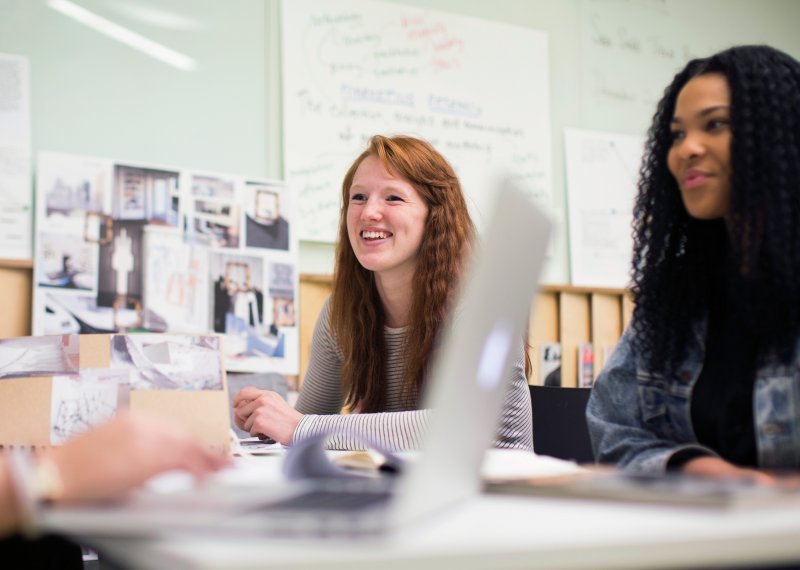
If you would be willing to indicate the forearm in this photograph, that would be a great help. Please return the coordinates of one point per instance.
(9, 506)
(397, 431)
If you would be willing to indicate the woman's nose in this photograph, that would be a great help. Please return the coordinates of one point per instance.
(372, 209)
(691, 146)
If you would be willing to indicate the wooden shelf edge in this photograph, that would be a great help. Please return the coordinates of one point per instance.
(321, 278)
(17, 263)
(327, 279)
(551, 288)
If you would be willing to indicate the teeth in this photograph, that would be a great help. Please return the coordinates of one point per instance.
(374, 235)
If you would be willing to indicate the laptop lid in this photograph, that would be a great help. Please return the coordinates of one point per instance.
(469, 378)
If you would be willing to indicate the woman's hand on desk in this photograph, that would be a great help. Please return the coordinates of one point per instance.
(261, 412)
(721, 469)
(114, 458)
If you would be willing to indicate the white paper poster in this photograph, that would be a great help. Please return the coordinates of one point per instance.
(357, 68)
(602, 172)
(15, 158)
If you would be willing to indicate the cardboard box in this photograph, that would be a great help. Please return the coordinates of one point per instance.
(54, 387)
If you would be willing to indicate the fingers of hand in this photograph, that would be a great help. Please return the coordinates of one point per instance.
(249, 424)
(247, 394)
(199, 461)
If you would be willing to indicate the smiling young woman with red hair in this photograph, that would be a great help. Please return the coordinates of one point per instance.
(404, 238)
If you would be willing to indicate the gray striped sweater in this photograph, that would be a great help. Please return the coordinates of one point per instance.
(398, 428)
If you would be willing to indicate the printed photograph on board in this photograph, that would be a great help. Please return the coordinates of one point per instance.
(146, 194)
(66, 261)
(214, 216)
(39, 355)
(268, 211)
(124, 247)
(70, 186)
(169, 362)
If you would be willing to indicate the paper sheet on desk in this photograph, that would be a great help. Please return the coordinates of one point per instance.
(256, 446)
(497, 464)
(518, 463)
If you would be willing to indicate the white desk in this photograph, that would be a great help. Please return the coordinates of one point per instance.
(507, 532)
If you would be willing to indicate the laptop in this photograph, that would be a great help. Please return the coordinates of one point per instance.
(467, 386)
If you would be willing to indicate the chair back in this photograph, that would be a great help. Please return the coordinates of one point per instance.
(559, 423)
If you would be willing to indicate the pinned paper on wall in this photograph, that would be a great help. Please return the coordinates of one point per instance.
(123, 246)
(602, 173)
(16, 198)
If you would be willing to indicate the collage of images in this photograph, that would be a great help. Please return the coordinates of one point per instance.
(82, 398)
(123, 247)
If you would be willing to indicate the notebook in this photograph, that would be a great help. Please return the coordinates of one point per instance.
(467, 386)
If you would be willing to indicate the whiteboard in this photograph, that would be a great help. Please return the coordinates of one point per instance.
(631, 49)
(602, 172)
(477, 90)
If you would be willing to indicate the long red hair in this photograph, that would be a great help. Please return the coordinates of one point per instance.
(357, 316)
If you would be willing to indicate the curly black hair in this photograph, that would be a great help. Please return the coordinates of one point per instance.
(676, 256)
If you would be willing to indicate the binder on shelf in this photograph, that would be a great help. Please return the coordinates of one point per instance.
(585, 365)
(550, 364)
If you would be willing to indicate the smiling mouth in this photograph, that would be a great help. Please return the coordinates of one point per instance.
(695, 180)
(375, 235)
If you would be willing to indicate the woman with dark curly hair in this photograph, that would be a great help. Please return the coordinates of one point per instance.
(404, 236)
(706, 379)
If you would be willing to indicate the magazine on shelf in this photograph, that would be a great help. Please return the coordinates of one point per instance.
(550, 364)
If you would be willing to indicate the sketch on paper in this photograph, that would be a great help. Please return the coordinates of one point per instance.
(81, 402)
(176, 283)
(39, 355)
(602, 170)
(169, 362)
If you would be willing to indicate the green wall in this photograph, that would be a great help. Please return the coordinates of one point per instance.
(93, 95)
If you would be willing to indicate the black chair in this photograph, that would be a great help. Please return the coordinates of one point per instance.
(44, 553)
(559, 423)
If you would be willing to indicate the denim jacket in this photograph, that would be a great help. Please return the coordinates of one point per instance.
(638, 420)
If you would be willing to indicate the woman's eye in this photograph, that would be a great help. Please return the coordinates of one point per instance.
(394, 198)
(676, 135)
(358, 198)
(715, 124)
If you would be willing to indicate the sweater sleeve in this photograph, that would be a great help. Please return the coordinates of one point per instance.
(321, 400)
(516, 424)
